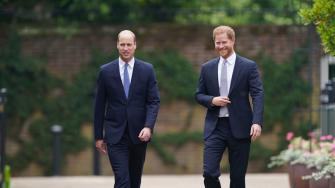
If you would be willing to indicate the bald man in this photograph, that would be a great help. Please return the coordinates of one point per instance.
(125, 111)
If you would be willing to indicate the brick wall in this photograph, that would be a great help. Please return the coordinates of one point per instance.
(65, 56)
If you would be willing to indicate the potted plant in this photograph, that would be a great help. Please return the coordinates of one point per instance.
(295, 156)
(322, 163)
(311, 163)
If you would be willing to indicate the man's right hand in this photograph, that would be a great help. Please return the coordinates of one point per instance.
(220, 101)
(101, 146)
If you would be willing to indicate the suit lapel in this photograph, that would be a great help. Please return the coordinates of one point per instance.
(236, 74)
(134, 78)
(116, 72)
(214, 72)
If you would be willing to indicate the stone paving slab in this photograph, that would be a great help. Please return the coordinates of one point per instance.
(272, 180)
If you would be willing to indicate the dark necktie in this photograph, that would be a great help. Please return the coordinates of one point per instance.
(126, 81)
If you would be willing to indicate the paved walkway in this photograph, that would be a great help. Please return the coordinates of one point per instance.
(148, 181)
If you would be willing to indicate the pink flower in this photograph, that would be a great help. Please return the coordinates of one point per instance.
(311, 135)
(329, 137)
(289, 136)
(323, 138)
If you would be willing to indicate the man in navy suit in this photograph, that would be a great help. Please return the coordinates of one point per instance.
(126, 107)
(224, 87)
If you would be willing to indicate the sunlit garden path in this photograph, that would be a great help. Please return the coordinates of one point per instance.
(149, 181)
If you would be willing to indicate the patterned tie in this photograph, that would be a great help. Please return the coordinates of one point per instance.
(224, 87)
(126, 81)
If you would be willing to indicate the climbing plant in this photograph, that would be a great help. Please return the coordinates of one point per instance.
(285, 89)
(37, 100)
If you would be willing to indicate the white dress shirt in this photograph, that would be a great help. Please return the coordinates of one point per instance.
(130, 68)
(230, 68)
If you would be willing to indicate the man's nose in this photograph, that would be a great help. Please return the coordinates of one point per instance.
(220, 45)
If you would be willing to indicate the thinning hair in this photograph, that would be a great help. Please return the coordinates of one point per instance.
(224, 29)
(126, 32)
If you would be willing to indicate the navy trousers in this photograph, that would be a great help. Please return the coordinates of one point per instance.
(127, 160)
(238, 153)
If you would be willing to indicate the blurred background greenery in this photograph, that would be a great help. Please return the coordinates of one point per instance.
(39, 98)
(151, 11)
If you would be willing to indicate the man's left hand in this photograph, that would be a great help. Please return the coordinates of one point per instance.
(145, 134)
(255, 131)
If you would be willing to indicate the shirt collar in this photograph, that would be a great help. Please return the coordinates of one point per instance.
(231, 59)
(130, 63)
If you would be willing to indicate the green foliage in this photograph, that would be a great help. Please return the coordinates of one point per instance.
(148, 11)
(178, 139)
(36, 100)
(242, 12)
(24, 74)
(166, 156)
(286, 91)
(7, 176)
(176, 76)
(98, 11)
(322, 14)
(260, 153)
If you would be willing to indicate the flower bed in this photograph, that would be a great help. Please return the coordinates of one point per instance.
(311, 162)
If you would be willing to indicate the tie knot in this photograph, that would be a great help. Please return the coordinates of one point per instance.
(225, 61)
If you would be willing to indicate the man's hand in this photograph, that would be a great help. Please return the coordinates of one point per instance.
(101, 146)
(255, 131)
(220, 101)
(145, 134)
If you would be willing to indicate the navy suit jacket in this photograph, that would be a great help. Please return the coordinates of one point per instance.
(245, 81)
(113, 112)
